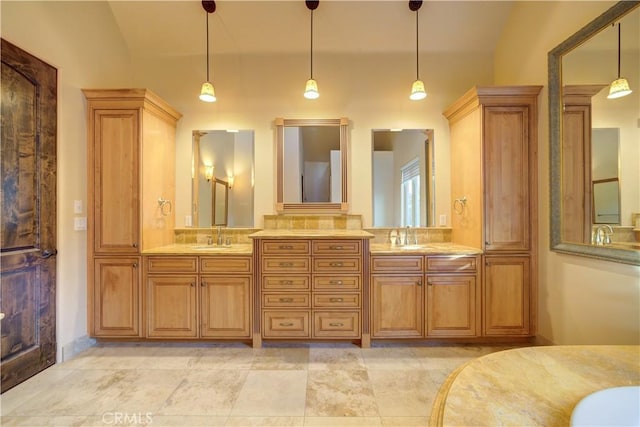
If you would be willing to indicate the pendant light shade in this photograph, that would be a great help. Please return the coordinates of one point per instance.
(207, 93)
(620, 86)
(311, 87)
(417, 88)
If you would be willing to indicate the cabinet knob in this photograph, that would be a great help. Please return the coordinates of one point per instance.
(203, 284)
(419, 282)
(487, 243)
(336, 324)
(193, 285)
(135, 245)
(134, 265)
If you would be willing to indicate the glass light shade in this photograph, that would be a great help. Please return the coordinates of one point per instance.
(417, 91)
(207, 94)
(311, 89)
(230, 180)
(619, 88)
(208, 172)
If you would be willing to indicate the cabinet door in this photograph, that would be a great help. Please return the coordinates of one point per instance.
(451, 306)
(172, 307)
(506, 152)
(506, 295)
(226, 306)
(116, 297)
(397, 303)
(116, 182)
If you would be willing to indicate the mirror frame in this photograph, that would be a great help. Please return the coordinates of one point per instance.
(311, 207)
(555, 139)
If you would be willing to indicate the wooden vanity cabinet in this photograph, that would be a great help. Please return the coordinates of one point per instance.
(494, 187)
(130, 158)
(310, 288)
(198, 297)
(401, 307)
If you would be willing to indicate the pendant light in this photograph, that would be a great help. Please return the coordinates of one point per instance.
(620, 86)
(311, 88)
(417, 88)
(207, 94)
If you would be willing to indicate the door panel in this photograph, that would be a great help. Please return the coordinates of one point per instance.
(28, 215)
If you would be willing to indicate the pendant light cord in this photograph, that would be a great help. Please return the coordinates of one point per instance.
(208, 46)
(311, 50)
(618, 50)
(417, 50)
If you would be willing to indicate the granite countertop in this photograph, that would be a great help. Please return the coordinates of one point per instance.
(532, 385)
(422, 249)
(311, 233)
(201, 249)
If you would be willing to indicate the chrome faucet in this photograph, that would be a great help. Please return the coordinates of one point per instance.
(601, 237)
(220, 239)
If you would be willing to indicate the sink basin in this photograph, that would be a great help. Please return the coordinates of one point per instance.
(210, 248)
(617, 406)
(415, 247)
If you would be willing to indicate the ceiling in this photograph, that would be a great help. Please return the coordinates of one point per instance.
(177, 28)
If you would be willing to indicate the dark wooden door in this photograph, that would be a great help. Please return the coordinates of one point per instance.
(28, 216)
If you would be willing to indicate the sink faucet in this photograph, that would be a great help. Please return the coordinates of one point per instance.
(601, 236)
(220, 239)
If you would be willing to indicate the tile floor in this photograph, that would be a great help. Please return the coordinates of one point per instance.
(235, 385)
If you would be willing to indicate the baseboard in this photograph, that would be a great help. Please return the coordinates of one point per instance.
(540, 340)
(72, 349)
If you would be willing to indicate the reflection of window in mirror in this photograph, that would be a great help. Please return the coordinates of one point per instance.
(230, 154)
(403, 183)
(604, 175)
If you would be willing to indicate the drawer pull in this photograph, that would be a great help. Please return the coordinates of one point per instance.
(336, 299)
(335, 282)
(286, 300)
(336, 324)
(285, 247)
(286, 324)
(286, 282)
(286, 264)
(336, 248)
(193, 285)
(336, 264)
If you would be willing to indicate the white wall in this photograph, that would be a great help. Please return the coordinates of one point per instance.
(84, 44)
(581, 300)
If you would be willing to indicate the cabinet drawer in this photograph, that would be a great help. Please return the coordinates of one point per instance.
(294, 283)
(350, 264)
(334, 283)
(396, 264)
(451, 264)
(226, 264)
(286, 247)
(342, 300)
(336, 247)
(285, 265)
(186, 264)
(336, 324)
(285, 324)
(285, 300)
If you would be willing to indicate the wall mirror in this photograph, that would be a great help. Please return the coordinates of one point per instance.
(584, 124)
(403, 178)
(311, 169)
(222, 184)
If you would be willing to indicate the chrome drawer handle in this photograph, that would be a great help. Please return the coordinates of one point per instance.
(335, 282)
(286, 264)
(335, 300)
(336, 324)
(286, 324)
(286, 299)
(286, 282)
(337, 248)
(285, 247)
(336, 264)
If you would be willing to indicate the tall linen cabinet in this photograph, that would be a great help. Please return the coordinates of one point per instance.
(131, 188)
(494, 192)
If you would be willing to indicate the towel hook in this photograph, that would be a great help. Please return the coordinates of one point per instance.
(459, 205)
(162, 203)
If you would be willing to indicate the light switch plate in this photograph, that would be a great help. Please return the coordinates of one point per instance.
(77, 206)
(443, 219)
(80, 223)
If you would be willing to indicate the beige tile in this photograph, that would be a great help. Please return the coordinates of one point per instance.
(405, 421)
(145, 391)
(401, 358)
(186, 420)
(113, 356)
(224, 358)
(342, 421)
(45, 380)
(172, 357)
(450, 357)
(340, 393)
(349, 358)
(272, 394)
(265, 421)
(287, 358)
(403, 393)
(210, 392)
(40, 421)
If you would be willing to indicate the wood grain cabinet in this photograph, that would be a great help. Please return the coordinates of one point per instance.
(424, 296)
(310, 288)
(494, 188)
(198, 297)
(130, 157)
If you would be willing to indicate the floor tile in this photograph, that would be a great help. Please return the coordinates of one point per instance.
(342, 421)
(340, 393)
(265, 421)
(270, 393)
(405, 421)
(403, 393)
(401, 358)
(294, 358)
(336, 358)
(48, 379)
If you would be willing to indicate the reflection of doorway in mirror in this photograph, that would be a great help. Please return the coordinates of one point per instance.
(605, 175)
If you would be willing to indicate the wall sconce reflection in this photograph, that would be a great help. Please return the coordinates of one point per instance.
(230, 179)
(208, 172)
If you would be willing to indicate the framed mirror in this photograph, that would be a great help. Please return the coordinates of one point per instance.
(403, 177)
(222, 178)
(311, 165)
(584, 195)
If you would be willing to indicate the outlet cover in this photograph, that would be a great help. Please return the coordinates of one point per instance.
(80, 223)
